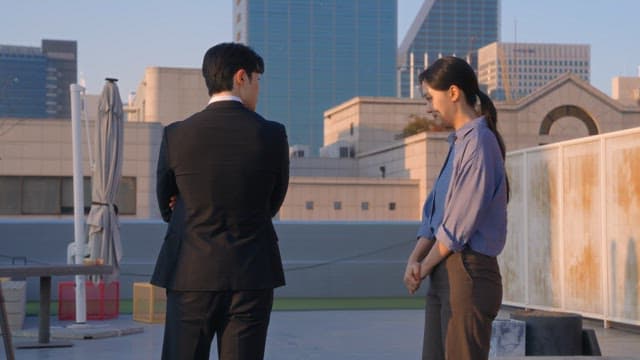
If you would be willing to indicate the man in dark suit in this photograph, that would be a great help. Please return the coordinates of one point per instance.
(222, 175)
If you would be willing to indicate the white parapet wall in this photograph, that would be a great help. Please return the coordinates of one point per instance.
(574, 227)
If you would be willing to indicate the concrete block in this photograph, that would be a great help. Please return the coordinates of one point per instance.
(551, 333)
(15, 294)
(13, 291)
(508, 338)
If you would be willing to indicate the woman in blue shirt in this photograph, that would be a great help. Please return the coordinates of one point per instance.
(464, 219)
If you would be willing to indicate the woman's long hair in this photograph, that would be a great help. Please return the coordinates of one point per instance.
(451, 70)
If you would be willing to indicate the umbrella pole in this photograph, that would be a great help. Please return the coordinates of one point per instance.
(78, 200)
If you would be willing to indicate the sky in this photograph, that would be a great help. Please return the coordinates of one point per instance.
(120, 38)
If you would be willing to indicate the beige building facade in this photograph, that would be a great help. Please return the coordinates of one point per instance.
(36, 168)
(168, 94)
(368, 123)
(346, 198)
(384, 177)
(566, 108)
(626, 89)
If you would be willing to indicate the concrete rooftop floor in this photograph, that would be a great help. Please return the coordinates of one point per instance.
(297, 335)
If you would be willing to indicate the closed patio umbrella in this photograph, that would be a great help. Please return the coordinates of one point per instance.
(104, 228)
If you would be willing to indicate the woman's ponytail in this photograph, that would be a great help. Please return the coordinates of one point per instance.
(491, 116)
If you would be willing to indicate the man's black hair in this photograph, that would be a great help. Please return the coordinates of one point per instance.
(222, 61)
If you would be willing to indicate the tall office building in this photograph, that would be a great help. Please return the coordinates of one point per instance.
(318, 53)
(510, 71)
(442, 28)
(34, 81)
(62, 71)
(23, 72)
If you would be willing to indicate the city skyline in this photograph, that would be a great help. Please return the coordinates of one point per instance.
(432, 35)
(34, 81)
(318, 55)
(122, 38)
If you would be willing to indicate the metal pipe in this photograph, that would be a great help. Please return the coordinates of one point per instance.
(78, 200)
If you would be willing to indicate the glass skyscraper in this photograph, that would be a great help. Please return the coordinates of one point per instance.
(442, 28)
(34, 82)
(23, 72)
(318, 54)
(62, 71)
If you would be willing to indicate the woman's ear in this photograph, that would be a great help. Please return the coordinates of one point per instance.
(454, 93)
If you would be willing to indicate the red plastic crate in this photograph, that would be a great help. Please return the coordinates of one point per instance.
(103, 300)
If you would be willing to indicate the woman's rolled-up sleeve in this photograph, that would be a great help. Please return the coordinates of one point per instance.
(470, 190)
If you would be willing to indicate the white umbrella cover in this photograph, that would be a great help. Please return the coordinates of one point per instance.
(104, 228)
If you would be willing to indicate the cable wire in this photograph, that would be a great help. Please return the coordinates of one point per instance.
(289, 269)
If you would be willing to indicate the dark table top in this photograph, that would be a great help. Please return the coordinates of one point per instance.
(54, 269)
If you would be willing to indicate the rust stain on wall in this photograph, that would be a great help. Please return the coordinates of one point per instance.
(581, 231)
(584, 280)
(582, 175)
(628, 180)
(543, 186)
(543, 208)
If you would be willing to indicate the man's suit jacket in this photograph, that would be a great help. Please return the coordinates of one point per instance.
(229, 169)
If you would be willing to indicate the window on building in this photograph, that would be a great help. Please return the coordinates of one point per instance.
(392, 206)
(347, 152)
(10, 190)
(126, 198)
(364, 205)
(337, 205)
(66, 200)
(40, 195)
(53, 195)
(308, 205)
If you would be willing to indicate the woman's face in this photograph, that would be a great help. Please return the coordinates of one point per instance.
(439, 103)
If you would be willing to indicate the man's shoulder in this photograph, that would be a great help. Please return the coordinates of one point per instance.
(212, 113)
(172, 127)
(193, 118)
(274, 124)
(268, 124)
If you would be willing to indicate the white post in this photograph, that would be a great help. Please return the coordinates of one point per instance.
(606, 263)
(78, 199)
